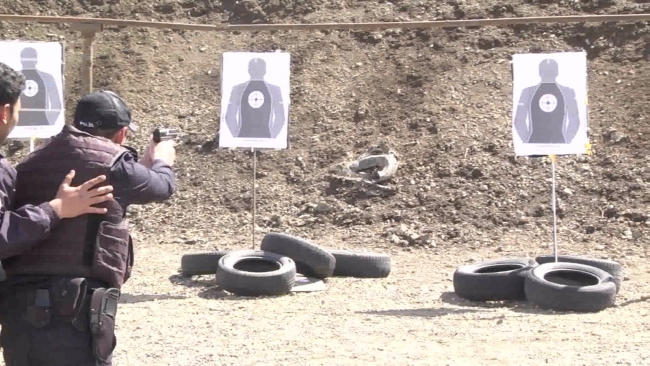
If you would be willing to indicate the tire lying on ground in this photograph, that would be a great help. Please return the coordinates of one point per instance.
(611, 267)
(569, 286)
(360, 264)
(311, 260)
(256, 273)
(493, 280)
(201, 263)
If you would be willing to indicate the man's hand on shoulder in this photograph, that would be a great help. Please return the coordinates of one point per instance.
(75, 201)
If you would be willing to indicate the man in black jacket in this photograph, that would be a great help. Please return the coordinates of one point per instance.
(64, 292)
(21, 227)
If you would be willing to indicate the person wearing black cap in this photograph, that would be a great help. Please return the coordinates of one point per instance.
(23, 226)
(68, 286)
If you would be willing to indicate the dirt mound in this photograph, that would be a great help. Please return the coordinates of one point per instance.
(441, 98)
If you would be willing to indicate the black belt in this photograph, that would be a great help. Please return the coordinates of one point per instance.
(20, 282)
(38, 300)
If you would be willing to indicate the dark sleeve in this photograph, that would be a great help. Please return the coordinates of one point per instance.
(23, 228)
(133, 183)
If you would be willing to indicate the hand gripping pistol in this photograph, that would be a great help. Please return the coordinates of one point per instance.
(164, 134)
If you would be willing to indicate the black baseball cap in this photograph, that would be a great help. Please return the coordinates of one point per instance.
(104, 110)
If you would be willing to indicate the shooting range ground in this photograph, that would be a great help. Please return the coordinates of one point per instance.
(440, 96)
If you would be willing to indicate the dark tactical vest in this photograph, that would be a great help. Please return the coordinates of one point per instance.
(97, 247)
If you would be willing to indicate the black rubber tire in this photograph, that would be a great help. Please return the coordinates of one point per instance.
(360, 264)
(311, 260)
(554, 296)
(611, 267)
(201, 263)
(471, 284)
(245, 283)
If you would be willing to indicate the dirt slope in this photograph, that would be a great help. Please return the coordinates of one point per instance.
(440, 98)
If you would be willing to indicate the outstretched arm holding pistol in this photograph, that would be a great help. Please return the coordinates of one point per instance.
(150, 179)
(160, 147)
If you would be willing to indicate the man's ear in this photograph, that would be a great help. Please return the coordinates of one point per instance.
(5, 111)
(120, 136)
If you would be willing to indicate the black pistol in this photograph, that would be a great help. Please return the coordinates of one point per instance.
(164, 134)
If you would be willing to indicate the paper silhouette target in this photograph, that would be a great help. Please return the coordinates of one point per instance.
(255, 100)
(42, 108)
(550, 103)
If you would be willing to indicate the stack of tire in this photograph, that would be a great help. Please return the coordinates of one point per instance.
(573, 283)
(272, 270)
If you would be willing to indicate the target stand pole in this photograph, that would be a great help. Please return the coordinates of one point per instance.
(554, 199)
(31, 144)
(254, 195)
(88, 32)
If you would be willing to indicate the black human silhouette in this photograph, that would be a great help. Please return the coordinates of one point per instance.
(255, 108)
(547, 107)
(40, 101)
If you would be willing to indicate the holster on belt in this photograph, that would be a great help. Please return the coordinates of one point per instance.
(68, 297)
(63, 298)
(103, 309)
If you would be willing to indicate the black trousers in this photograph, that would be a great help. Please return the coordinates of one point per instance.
(57, 343)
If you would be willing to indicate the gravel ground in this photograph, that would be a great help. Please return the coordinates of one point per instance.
(441, 98)
(410, 318)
